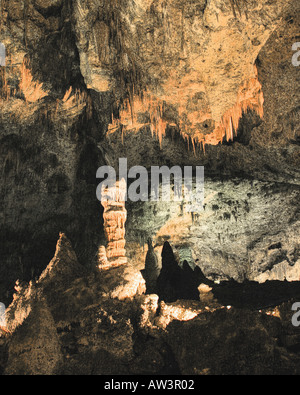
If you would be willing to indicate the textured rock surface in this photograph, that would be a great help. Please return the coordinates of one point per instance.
(53, 115)
(54, 332)
(114, 216)
(74, 327)
(221, 345)
(35, 347)
(48, 146)
(248, 230)
(75, 72)
(180, 55)
(265, 150)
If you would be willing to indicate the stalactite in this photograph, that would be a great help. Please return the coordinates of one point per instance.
(5, 91)
(236, 6)
(33, 91)
(1, 14)
(26, 6)
(249, 97)
(67, 94)
(233, 8)
(4, 331)
(74, 103)
(129, 111)
(89, 107)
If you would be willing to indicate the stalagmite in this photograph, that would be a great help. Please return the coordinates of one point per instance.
(152, 269)
(115, 215)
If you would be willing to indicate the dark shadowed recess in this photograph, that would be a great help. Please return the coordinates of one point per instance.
(175, 282)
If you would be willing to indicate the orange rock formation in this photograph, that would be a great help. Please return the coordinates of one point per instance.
(249, 97)
(115, 215)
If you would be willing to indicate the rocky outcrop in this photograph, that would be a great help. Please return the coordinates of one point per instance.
(44, 315)
(35, 348)
(78, 326)
(227, 351)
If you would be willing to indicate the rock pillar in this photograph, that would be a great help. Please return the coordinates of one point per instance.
(115, 215)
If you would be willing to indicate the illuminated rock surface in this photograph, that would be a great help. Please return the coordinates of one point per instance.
(179, 57)
(160, 83)
(74, 326)
(248, 230)
(115, 215)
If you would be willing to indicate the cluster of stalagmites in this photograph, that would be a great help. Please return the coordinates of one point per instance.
(114, 215)
(171, 282)
(175, 282)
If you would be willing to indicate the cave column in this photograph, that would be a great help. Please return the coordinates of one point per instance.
(115, 215)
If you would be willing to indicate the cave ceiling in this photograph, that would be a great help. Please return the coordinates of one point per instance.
(190, 65)
(186, 65)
